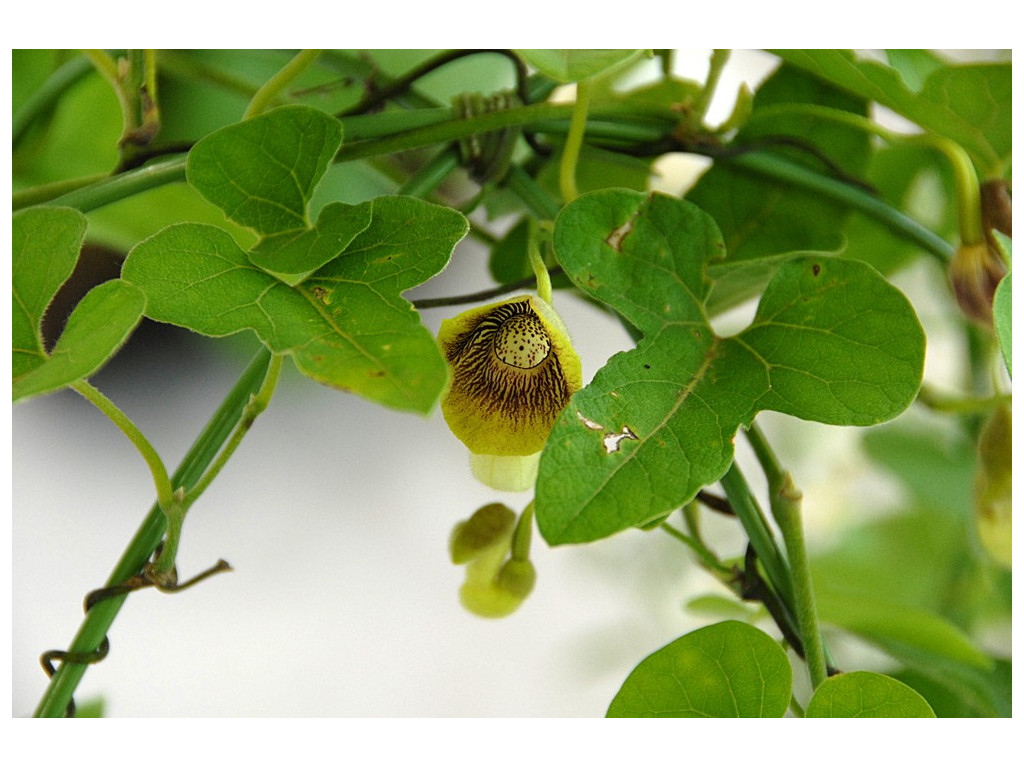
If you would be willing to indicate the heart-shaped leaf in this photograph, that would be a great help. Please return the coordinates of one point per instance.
(262, 172)
(730, 669)
(866, 694)
(293, 256)
(346, 325)
(832, 341)
(46, 244)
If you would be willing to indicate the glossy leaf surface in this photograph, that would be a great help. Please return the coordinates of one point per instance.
(866, 694)
(262, 172)
(831, 341)
(969, 104)
(730, 669)
(346, 326)
(46, 245)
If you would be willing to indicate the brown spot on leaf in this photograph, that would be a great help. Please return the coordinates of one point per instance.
(589, 423)
(612, 440)
(618, 234)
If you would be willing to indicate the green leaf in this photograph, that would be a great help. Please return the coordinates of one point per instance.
(832, 341)
(866, 694)
(46, 243)
(969, 104)
(735, 281)
(572, 65)
(261, 172)
(964, 692)
(293, 256)
(721, 607)
(911, 178)
(888, 624)
(346, 326)
(762, 217)
(914, 65)
(97, 328)
(598, 169)
(1002, 307)
(728, 669)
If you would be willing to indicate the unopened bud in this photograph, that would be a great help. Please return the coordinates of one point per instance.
(993, 485)
(489, 525)
(517, 578)
(997, 207)
(975, 273)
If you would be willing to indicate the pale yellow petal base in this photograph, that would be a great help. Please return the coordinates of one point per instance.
(505, 473)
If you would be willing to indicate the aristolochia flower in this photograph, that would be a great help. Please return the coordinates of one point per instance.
(512, 370)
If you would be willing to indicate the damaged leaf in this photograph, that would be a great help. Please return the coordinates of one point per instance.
(831, 341)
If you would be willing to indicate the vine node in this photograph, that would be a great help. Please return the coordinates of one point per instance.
(167, 582)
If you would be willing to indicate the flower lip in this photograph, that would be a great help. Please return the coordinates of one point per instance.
(512, 369)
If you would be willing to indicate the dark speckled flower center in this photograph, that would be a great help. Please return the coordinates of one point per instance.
(522, 342)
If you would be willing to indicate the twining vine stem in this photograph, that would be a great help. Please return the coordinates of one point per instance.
(258, 403)
(785, 500)
(100, 617)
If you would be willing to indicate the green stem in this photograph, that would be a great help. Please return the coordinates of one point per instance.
(184, 500)
(540, 270)
(47, 95)
(44, 193)
(786, 509)
(273, 87)
(430, 176)
(756, 527)
(775, 167)
(708, 558)
(164, 492)
(942, 403)
(100, 618)
(106, 65)
(573, 143)
(965, 177)
(719, 57)
(609, 121)
(543, 205)
(257, 404)
(111, 189)
(523, 535)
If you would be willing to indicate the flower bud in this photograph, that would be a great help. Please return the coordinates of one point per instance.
(517, 578)
(490, 525)
(975, 272)
(498, 575)
(993, 486)
(997, 207)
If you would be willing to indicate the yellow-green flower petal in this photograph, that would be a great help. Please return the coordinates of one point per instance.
(505, 473)
(499, 577)
(513, 370)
